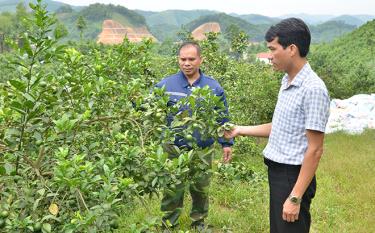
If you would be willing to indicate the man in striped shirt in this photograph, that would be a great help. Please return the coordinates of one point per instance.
(296, 133)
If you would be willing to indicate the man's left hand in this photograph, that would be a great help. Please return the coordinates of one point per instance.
(227, 154)
(290, 211)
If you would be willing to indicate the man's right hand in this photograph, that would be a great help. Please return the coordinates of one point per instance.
(228, 134)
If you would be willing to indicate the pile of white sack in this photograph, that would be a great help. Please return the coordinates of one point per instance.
(352, 115)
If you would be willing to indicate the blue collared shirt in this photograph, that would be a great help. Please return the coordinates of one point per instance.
(302, 105)
(177, 87)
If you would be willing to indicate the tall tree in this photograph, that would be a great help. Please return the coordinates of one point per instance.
(60, 31)
(22, 19)
(239, 43)
(81, 25)
(6, 26)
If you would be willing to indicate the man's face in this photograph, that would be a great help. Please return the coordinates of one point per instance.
(189, 61)
(280, 57)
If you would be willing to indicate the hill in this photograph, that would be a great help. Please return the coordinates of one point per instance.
(166, 24)
(329, 30)
(349, 19)
(256, 32)
(10, 5)
(356, 20)
(173, 17)
(200, 32)
(309, 19)
(95, 14)
(257, 19)
(324, 32)
(114, 33)
(348, 63)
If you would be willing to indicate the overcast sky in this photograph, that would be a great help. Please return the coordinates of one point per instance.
(264, 7)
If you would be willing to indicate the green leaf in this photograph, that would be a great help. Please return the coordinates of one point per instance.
(27, 47)
(17, 106)
(46, 228)
(106, 170)
(154, 181)
(3, 171)
(29, 104)
(36, 204)
(18, 85)
(48, 217)
(41, 192)
(32, 6)
(29, 97)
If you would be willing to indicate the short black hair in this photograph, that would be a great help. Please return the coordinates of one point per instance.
(187, 44)
(291, 31)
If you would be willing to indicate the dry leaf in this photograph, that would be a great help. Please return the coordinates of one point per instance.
(53, 209)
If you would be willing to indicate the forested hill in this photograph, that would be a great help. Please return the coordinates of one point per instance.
(329, 30)
(173, 17)
(257, 19)
(324, 32)
(95, 14)
(11, 5)
(256, 32)
(166, 24)
(348, 61)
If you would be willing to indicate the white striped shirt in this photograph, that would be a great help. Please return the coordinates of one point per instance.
(301, 105)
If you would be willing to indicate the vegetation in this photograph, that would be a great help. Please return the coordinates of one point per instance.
(256, 32)
(94, 16)
(166, 24)
(340, 205)
(347, 64)
(81, 129)
(81, 25)
(80, 135)
(330, 30)
(258, 19)
(173, 17)
(10, 5)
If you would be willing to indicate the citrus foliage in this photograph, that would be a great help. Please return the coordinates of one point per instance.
(81, 132)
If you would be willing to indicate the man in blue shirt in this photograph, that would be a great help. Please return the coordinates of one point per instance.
(178, 86)
(296, 133)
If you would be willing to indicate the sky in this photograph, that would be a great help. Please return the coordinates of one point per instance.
(264, 7)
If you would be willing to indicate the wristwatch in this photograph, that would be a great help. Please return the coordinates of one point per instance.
(295, 200)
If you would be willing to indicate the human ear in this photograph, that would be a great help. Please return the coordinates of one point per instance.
(294, 49)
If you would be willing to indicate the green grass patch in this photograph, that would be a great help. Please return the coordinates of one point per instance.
(344, 201)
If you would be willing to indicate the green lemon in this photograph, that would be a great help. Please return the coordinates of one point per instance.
(4, 214)
(37, 227)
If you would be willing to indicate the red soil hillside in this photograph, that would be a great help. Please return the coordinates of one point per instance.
(114, 33)
(198, 33)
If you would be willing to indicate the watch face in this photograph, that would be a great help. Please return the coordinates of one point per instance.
(294, 199)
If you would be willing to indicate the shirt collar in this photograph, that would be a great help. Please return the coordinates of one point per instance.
(298, 80)
(185, 82)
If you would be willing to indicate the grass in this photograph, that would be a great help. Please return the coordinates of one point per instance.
(344, 202)
(345, 199)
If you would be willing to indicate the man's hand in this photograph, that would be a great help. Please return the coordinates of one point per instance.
(290, 211)
(227, 154)
(234, 132)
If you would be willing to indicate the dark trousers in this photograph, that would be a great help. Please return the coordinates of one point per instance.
(172, 201)
(281, 179)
